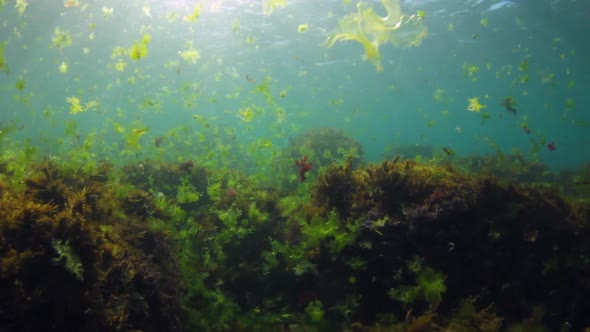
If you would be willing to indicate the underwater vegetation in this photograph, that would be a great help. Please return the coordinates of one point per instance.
(69, 260)
(320, 147)
(156, 246)
(304, 166)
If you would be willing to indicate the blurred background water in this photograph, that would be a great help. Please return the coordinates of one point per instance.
(234, 77)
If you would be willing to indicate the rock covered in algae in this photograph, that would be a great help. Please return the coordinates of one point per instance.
(399, 244)
(322, 147)
(510, 246)
(71, 261)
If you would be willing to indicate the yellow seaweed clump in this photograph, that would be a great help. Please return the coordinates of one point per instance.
(192, 17)
(474, 105)
(139, 49)
(75, 106)
(372, 30)
(190, 54)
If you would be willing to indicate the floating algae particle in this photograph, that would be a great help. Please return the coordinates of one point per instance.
(246, 114)
(107, 12)
(21, 6)
(194, 15)
(63, 67)
(75, 106)
(474, 105)
(139, 49)
(190, 54)
(20, 84)
(302, 27)
(120, 66)
(269, 6)
(371, 30)
(61, 38)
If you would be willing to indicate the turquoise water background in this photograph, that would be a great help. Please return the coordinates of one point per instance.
(534, 51)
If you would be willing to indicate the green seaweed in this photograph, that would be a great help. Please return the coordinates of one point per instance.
(68, 257)
(372, 31)
(139, 49)
(430, 286)
(187, 193)
(315, 311)
(61, 38)
(269, 6)
(340, 252)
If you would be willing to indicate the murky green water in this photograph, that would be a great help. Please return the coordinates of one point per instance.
(225, 77)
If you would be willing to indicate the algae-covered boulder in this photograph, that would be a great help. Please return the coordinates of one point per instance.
(68, 262)
(322, 147)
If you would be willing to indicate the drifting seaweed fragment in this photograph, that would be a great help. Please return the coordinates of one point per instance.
(508, 103)
(194, 15)
(474, 105)
(269, 6)
(189, 54)
(61, 38)
(372, 31)
(139, 49)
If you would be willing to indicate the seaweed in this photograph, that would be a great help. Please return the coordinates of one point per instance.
(139, 48)
(371, 30)
(400, 244)
(75, 264)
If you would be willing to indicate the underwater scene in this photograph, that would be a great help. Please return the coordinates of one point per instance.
(294, 165)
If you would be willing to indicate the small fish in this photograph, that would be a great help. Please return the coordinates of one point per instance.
(449, 151)
(158, 141)
(551, 146)
(141, 131)
(499, 5)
